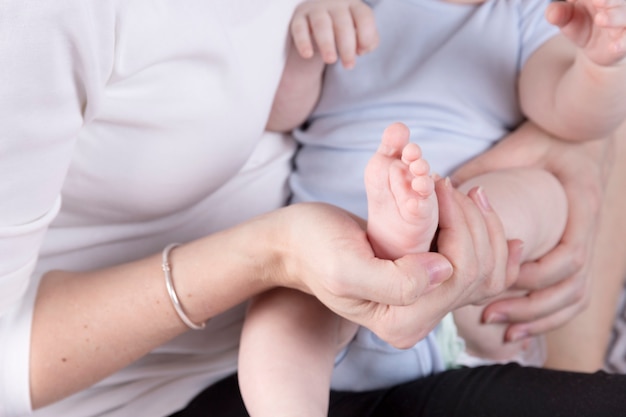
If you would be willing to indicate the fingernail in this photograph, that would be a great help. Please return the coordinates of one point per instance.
(496, 318)
(482, 199)
(518, 335)
(438, 272)
(447, 182)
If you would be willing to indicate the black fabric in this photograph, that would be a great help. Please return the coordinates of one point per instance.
(487, 391)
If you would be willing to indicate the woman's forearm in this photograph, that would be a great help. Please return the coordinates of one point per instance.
(87, 325)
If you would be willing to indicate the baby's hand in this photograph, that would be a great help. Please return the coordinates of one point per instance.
(598, 27)
(337, 27)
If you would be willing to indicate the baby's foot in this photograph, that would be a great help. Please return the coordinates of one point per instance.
(402, 206)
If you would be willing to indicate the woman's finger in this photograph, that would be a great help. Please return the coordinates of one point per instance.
(537, 305)
(521, 331)
(497, 251)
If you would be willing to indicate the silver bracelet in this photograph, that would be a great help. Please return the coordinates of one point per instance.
(172, 292)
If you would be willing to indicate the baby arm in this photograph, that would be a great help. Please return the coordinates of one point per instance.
(333, 28)
(574, 85)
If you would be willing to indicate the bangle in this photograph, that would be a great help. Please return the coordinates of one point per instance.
(172, 292)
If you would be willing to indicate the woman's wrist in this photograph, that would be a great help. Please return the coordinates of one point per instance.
(215, 273)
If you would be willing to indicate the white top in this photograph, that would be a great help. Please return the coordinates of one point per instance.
(122, 125)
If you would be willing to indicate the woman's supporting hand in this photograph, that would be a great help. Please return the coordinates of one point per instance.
(558, 282)
(326, 253)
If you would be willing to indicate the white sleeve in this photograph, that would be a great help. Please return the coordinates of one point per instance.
(45, 82)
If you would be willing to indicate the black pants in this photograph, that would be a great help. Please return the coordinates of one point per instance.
(486, 391)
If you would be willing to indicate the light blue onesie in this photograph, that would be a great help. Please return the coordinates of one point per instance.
(449, 72)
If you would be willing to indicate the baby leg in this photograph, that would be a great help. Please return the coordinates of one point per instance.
(288, 347)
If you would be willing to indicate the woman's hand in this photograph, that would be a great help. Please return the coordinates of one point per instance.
(326, 253)
(558, 282)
